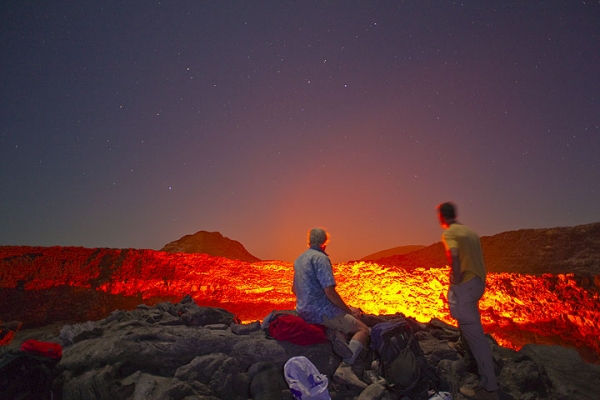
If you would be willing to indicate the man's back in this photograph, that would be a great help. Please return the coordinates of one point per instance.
(313, 273)
(468, 244)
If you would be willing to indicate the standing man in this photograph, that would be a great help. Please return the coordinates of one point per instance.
(318, 302)
(467, 284)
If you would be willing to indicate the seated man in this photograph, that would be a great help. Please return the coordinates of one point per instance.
(318, 302)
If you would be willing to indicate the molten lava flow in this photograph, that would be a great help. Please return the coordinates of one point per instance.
(546, 306)
(516, 309)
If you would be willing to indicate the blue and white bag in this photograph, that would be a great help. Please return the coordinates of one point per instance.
(305, 380)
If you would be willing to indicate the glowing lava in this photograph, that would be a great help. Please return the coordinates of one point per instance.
(516, 309)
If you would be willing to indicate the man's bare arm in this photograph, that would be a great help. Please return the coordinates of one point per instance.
(337, 300)
(454, 259)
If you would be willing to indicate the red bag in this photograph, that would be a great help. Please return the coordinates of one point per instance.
(42, 349)
(294, 329)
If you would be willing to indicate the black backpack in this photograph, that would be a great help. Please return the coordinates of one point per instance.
(402, 362)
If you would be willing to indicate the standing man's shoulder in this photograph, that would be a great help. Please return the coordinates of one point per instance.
(452, 233)
(458, 229)
(469, 231)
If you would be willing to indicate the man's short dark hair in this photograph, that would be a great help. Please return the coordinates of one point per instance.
(447, 210)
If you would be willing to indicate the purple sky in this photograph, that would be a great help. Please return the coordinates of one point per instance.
(133, 123)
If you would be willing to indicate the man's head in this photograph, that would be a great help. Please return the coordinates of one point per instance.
(446, 213)
(318, 237)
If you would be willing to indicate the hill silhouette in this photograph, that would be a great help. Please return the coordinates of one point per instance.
(392, 252)
(525, 251)
(212, 243)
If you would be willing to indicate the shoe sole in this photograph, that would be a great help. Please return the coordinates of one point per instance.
(341, 349)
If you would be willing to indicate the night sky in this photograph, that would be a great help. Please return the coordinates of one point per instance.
(129, 124)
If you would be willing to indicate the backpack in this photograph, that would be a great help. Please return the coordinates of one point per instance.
(402, 362)
(27, 373)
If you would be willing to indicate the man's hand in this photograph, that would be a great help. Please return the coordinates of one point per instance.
(356, 312)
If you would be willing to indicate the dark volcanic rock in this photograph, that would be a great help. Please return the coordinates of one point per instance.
(212, 243)
(554, 250)
(159, 353)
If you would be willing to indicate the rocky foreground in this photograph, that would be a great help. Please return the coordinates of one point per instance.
(184, 351)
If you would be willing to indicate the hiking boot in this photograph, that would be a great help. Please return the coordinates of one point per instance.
(340, 347)
(345, 376)
(478, 393)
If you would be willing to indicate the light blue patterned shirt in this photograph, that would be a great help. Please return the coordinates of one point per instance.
(312, 274)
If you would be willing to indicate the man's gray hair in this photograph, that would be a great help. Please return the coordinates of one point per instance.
(317, 237)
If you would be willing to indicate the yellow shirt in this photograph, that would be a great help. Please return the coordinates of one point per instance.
(461, 237)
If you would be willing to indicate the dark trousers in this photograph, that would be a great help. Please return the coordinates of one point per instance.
(463, 301)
